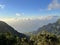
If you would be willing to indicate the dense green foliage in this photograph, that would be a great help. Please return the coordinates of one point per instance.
(9, 39)
(43, 38)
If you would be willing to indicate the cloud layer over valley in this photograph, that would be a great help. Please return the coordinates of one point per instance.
(29, 24)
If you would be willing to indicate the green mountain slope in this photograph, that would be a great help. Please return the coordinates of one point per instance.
(4, 27)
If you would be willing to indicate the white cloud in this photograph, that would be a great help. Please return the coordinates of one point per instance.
(2, 6)
(54, 5)
(18, 14)
(29, 24)
(45, 17)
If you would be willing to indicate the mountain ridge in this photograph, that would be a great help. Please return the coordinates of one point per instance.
(51, 27)
(4, 27)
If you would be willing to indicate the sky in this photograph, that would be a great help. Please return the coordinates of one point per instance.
(29, 15)
(29, 8)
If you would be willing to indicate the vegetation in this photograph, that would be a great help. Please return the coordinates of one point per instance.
(9, 36)
(43, 38)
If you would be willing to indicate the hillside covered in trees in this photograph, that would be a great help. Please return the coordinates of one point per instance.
(43, 38)
(9, 36)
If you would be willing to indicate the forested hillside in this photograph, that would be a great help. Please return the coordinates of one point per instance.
(43, 38)
(9, 36)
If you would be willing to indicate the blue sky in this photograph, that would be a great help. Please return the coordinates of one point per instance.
(29, 8)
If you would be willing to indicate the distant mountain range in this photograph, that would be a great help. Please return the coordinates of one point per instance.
(51, 27)
(4, 27)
